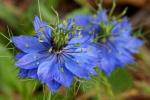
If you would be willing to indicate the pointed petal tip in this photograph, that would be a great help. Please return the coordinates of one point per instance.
(36, 18)
(13, 39)
(53, 86)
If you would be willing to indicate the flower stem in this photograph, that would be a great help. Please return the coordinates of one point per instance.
(113, 8)
(107, 86)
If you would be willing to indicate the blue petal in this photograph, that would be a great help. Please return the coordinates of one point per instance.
(87, 59)
(48, 32)
(53, 85)
(30, 61)
(82, 20)
(107, 65)
(88, 62)
(38, 24)
(122, 28)
(133, 44)
(69, 25)
(107, 60)
(54, 70)
(45, 35)
(75, 68)
(80, 39)
(28, 44)
(120, 53)
(101, 16)
(42, 30)
(19, 55)
(124, 57)
(24, 73)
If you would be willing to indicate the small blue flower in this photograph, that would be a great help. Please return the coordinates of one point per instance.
(56, 55)
(113, 38)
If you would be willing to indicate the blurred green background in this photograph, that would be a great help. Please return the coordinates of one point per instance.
(16, 18)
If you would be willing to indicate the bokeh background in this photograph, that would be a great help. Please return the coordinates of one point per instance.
(129, 83)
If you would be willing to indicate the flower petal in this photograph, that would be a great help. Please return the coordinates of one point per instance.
(28, 44)
(30, 61)
(101, 16)
(107, 65)
(80, 39)
(134, 44)
(38, 24)
(53, 70)
(19, 55)
(82, 20)
(42, 30)
(122, 28)
(124, 57)
(32, 73)
(75, 68)
(53, 85)
(87, 59)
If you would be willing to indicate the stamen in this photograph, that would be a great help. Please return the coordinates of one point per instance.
(50, 50)
(40, 40)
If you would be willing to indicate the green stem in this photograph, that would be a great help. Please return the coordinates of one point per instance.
(98, 89)
(49, 95)
(100, 5)
(123, 13)
(107, 85)
(44, 93)
(39, 10)
(113, 8)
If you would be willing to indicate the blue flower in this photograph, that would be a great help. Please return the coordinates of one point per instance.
(113, 38)
(56, 55)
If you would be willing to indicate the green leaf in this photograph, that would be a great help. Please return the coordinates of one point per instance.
(7, 72)
(9, 82)
(120, 80)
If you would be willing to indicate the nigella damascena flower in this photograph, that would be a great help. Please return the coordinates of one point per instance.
(113, 38)
(56, 55)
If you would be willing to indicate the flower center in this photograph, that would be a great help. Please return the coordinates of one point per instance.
(59, 40)
(61, 33)
(104, 34)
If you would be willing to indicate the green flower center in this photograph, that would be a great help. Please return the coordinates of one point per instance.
(59, 40)
(104, 34)
(60, 35)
